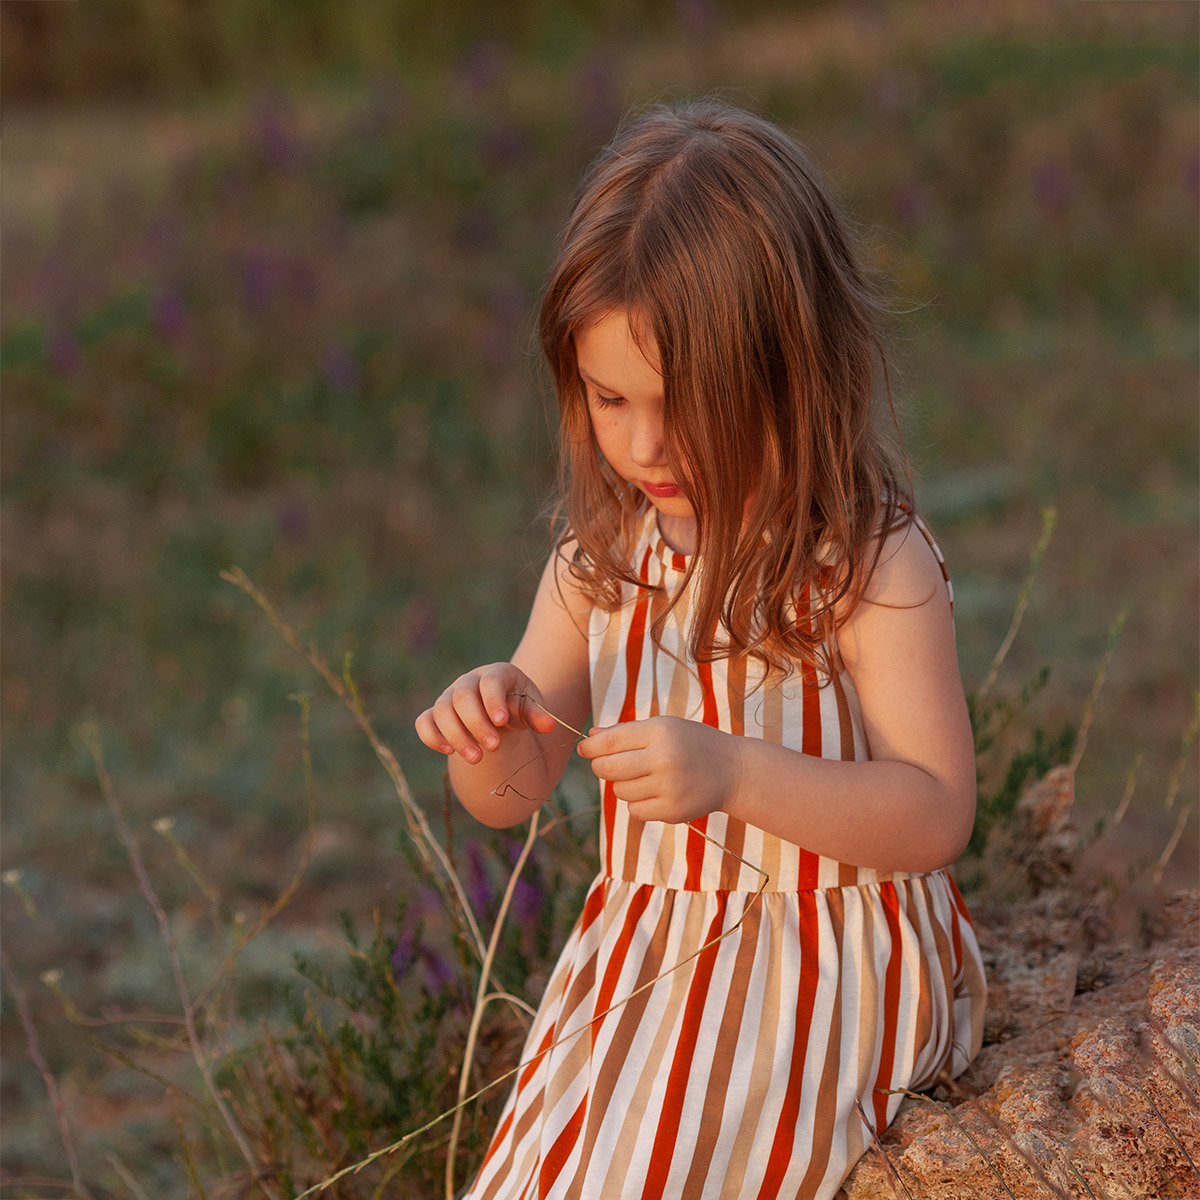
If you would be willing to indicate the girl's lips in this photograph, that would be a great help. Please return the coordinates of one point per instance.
(664, 491)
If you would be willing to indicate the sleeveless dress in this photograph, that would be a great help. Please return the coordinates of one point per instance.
(741, 1074)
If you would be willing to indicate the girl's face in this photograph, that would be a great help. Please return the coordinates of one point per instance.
(625, 401)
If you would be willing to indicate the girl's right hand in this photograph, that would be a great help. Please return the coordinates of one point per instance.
(475, 712)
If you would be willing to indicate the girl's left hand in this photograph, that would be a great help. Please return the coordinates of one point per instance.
(666, 768)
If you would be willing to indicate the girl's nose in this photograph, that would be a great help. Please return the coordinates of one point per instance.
(646, 448)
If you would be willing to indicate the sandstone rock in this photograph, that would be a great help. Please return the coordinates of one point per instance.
(1088, 1084)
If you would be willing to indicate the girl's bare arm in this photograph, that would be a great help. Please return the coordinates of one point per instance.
(910, 808)
(493, 722)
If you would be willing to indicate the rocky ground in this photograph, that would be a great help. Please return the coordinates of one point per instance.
(1088, 1084)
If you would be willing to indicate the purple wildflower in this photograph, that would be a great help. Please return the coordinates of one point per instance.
(291, 519)
(479, 887)
(1051, 188)
(911, 204)
(339, 370)
(63, 351)
(273, 131)
(437, 969)
(170, 315)
(481, 67)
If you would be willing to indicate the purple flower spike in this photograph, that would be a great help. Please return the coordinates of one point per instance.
(422, 626)
(63, 352)
(911, 204)
(340, 371)
(1051, 188)
(481, 67)
(291, 520)
(437, 969)
(526, 903)
(274, 132)
(170, 315)
(405, 949)
(479, 887)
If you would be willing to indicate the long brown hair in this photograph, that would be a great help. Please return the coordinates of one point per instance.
(712, 230)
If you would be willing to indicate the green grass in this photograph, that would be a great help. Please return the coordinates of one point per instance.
(299, 341)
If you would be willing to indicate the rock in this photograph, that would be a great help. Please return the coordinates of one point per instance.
(1088, 1084)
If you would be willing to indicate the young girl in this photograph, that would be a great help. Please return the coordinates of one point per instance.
(744, 601)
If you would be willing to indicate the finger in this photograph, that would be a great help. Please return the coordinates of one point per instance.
(430, 734)
(535, 713)
(496, 696)
(612, 739)
(469, 705)
(454, 730)
(620, 767)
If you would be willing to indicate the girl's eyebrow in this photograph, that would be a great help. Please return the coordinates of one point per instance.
(596, 384)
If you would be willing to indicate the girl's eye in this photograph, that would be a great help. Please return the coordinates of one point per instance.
(607, 401)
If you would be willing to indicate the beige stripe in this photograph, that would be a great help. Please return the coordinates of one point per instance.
(724, 1049)
(824, 1109)
(654, 1061)
(628, 1020)
(766, 1035)
(607, 656)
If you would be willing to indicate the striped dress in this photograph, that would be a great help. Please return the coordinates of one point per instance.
(747, 1072)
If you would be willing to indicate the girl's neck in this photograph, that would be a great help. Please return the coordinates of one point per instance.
(678, 532)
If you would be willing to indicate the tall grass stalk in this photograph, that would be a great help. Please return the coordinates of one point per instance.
(1049, 518)
(92, 740)
(427, 846)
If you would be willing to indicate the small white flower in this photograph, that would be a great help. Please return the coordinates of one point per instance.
(12, 878)
(163, 825)
(50, 978)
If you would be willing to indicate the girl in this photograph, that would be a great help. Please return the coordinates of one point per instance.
(744, 601)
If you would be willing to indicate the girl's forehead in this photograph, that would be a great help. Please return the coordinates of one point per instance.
(616, 342)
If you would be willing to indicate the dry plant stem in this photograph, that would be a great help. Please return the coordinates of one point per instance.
(967, 1134)
(893, 1177)
(243, 938)
(1005, 1135)
(1170, 1132)
(481, 994)
(427, 845)
(566, 1037)
(122, 1172)
(1049, 516)
(1185, 752)
(1089, 708)
(168, 934)
(1130, 783)
(43, 1068)
(1189, 740)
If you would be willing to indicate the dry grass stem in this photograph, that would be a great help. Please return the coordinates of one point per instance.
(243, 938)
(1130, 783)
(35, 1053)
(481, 999)
(1049, 517)
(952, 1116)
(1185, 752)
(383, 1151)
(92, 740)
(893, 1175)
(344, 688)
(1089, 707)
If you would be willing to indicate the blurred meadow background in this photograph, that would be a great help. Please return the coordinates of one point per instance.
(270, 274)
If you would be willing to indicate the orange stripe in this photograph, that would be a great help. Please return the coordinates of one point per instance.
(612, 973)
(665, 1135)
(891, 1003)
(558, 1154)
(633, 662)
(806, 998)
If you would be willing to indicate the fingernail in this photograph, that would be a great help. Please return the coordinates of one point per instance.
(491, 742)
(472, 755)
(500, 715)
